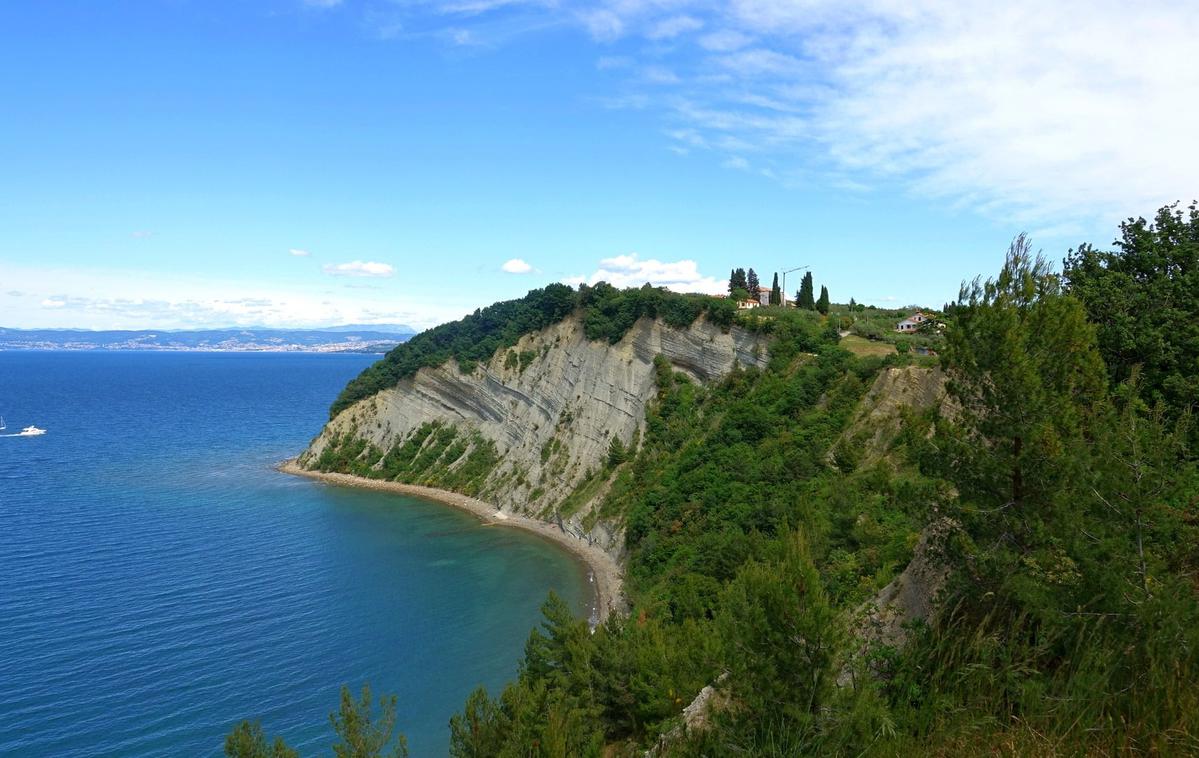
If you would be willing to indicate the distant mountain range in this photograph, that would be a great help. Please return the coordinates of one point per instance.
(360, 338)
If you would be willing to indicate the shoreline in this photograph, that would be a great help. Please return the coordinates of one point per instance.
(605, 574)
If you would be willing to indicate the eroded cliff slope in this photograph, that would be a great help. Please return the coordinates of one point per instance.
(531, 430)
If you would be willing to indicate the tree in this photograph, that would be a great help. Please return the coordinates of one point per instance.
(1024, 368)
(1144, 299)
(479, 731)
(248, 741)
(822, 303)
(781, 635)
(361, 734)
(753, 285)
(853, 306)
(776, 295)
(805, 299)
(738, 280)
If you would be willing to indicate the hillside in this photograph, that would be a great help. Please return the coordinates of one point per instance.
(993, 550)
(533, 427)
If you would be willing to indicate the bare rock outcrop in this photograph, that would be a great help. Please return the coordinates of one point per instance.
(911, 596)
(879, 417)
(551, 405)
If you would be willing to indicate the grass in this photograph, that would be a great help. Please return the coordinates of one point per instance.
(863, 347)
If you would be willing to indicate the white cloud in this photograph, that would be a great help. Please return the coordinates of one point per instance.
(299, 253)
(98, 298)
(724, 40)
(659, 75)
(1051, 112)
(604, 25)
(631, 271)
(672, 27)
(322, 3)
(141, 234)
(359, 268)
(516, 266)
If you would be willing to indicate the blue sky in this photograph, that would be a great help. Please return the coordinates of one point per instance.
(181, 163)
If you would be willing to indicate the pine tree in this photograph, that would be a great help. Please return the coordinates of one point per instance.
(776, 295)
(806, 297)
(753, 285)
(732, 280)
(822, 303)
(1026, 372)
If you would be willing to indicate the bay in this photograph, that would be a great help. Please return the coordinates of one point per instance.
(159, 581)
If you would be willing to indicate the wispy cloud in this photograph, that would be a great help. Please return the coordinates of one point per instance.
(54, 303)
(359, 268)
(631, 271)
(298, 252)
(1028, 109)
(516, 266)
(141, 234)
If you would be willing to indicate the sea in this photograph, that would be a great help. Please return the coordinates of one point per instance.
(160, 581)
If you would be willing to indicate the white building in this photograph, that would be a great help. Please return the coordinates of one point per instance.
(912, 322)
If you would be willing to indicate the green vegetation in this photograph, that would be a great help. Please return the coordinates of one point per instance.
(433, 455)
(804, 298)
(758, 524)
(1143, 298)
(360, 733)
(607, 313)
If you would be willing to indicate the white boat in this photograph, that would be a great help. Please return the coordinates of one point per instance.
(30, 431)
(2, 426)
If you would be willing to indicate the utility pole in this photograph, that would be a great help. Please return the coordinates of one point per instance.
(790, 271)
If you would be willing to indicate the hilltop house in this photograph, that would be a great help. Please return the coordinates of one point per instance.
(912, 322)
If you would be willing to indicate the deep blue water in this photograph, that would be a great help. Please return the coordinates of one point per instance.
(159, 581)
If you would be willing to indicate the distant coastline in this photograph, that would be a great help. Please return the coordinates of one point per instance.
(606, 575)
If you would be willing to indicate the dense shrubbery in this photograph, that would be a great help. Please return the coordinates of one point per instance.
(608, 313)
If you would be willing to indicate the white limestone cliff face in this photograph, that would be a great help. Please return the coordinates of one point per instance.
(553, 418)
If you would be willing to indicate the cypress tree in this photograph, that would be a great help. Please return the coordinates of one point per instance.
(753, 285)
(776, 295)
(822, 303)
(806, 297)
(737, 280)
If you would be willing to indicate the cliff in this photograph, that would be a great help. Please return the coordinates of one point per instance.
(532, 429)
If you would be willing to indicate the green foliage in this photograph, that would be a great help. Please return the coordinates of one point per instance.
(248, 741)
(1025, 369)
(781, 635)
(1143, 298)
(806, 297)
(608, 313)
(474, 338)
(776, 294)
(753, 285)
(822, 303)
(617, 454)
(361, 733)
(738, 280)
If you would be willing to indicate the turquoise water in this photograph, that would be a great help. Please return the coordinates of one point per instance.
(160, 581)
